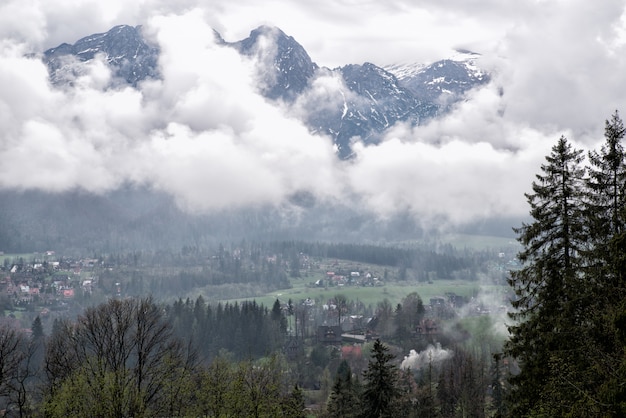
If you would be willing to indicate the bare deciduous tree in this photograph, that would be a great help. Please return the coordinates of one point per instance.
(123, 351)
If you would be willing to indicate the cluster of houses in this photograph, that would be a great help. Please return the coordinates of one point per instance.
(349, 330)
(45, 282)
(354, 278)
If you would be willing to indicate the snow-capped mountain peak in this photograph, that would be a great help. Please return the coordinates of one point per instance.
(372, 100)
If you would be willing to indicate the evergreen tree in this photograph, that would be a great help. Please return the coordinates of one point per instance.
(605, 270)
(380, 391)
(498, 386)
(408, 316)
(37, 329)
(606, 184)
(549, 290)
(343, 400)
(293, 404)
(606, 196)
(606, 342)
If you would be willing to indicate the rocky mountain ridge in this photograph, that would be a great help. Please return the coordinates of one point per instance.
(371, 99)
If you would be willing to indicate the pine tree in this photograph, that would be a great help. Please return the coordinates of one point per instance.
(606, 183)
(549, 288)
(37, 329)
(606, 222)
(293, 404)
(343, 400)
(613, 389)
(380, 389)
(407, 317)
(279, 318)
(606, 196)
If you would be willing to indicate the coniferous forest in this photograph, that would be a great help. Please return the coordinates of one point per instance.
(563, 353)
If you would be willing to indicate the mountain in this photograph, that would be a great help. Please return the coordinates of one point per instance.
(374, 98)
(444, 82)
(124, 48)
(285, 69)
(368, 100)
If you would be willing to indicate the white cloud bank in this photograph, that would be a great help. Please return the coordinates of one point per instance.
(204, 134)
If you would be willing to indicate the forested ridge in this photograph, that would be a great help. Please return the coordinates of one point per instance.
(564, 354)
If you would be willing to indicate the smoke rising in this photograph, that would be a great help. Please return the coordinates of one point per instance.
(433, 355)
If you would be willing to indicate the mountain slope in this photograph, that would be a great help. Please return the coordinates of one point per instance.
(124, 48)
(443, 82)
(370, 100)
(284, 66)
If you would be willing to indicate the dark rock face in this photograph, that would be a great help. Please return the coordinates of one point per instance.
(285, 67)
(129, 55)
(370, 100)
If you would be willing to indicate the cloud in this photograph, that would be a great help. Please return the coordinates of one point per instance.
(202, 133)
(205, 135)
(559, 71)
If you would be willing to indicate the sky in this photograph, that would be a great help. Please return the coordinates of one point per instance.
(204, 135)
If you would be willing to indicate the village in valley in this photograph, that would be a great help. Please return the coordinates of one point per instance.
(47, 285)
(50, 286)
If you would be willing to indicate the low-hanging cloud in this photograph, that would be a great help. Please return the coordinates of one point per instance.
(204, 134)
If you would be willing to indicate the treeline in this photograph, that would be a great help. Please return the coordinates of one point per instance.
(245, 330)
(129, 358)
(123, 359)
(569, 335)
(258, 267)
(249, 330)
(167, 273)
(442, 263)
(462, 386)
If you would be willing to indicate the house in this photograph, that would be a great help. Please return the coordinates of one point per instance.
(329, 334)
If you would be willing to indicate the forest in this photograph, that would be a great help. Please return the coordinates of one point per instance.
(123, 354)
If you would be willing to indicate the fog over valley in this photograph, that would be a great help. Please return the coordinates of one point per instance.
(203, 134)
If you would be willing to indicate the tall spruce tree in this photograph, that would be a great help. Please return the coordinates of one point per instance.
(606, 196)
(343, 401)
(548, 287)
(607, 181)
(605, 205)
(380, 390)
(607, 334)
(613, 390)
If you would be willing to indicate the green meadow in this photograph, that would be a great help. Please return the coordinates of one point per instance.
(394, 292)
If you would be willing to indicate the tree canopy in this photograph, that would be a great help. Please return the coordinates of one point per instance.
(569, 293)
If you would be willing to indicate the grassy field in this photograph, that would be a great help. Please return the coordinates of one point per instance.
(392, 289)
(394, 292)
